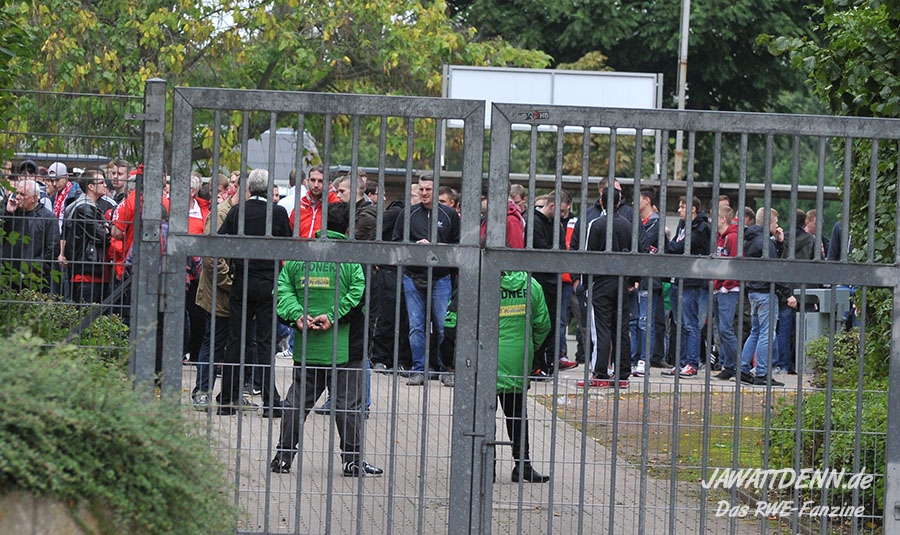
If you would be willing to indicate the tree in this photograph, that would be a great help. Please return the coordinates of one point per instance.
(727, 69)
(374, 46)
(16, 44)
(855, 71)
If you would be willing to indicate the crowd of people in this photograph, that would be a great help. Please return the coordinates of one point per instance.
(81, 225)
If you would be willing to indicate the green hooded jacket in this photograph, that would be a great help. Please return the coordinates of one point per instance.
(323, 276)
(516, 352)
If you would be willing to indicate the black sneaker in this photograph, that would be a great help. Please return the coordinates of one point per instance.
(748, 378)
(243, 405)
(280, 466)
(760, 380)
(724, 375)
(362, 468)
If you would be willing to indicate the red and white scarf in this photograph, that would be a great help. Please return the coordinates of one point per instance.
(61, 199)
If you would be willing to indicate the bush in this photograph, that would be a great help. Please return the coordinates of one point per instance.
(51, 319)
(74, 430)
(845, 397)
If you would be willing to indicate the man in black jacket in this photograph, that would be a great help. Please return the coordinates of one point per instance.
(544, 216)
(86, 235)
(763, 311)
(259, 282)
(608, 297)
(24, 216)
(415, 278)
(694, 296)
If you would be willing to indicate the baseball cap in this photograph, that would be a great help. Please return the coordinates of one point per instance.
(28, 167)
(58, 169)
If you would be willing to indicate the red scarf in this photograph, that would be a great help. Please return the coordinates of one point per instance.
(61, 198)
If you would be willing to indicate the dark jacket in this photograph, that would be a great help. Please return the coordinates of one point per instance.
(366, 219)
(258, 271)
(649, 243)
(543, 239)
(420, 221)
(42, 246)
(700, 236)
(84, 226)
(757, 244)
(621, 243)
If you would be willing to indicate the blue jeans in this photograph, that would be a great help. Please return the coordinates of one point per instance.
(693, 303)
(638, 325)
(415, 307)
(726, 304)
(758, 341)
(784, 357)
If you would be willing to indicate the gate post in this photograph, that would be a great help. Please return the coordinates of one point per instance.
(145, 274)
(892, 442)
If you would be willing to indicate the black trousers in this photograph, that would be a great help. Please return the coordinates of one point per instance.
(259, 318)
(348, 398)
(604, 311)
(516, 418)
(388, 324)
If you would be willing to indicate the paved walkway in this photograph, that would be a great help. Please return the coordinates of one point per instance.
(408, 434)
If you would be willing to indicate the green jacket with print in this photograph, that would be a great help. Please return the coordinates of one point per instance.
(323, 277)
(516, 351)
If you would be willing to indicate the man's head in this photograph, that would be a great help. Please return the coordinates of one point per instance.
(647, 201)
(119, 171)
(611, 199)
(343, 183)
(810, 221)
(28, 194)
(372, 190)
(27, 169)
(338, 217)
(773, 218)
(682, 207)
(93, 183)
(196, 182)
(414, 197)
(426, 190)
(258, 183)
(726, 215)
(604, 183)
(57, 176)
(552, 204)
(448, 196)
(315, 183)
(749, 216)
(519, 195)
(222, 188)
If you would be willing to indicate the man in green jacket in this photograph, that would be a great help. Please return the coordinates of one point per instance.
(514, 359)
(315, 284)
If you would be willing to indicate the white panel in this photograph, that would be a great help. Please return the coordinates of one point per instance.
(545, 86)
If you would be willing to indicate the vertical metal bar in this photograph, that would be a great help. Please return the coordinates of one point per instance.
(873, 204)
(892, 442)
(146, 279)
(270, 167)
(791, 231)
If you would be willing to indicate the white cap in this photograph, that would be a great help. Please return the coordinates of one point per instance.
(58, 169)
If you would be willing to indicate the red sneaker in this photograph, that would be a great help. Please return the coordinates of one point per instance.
(566, 364)
(602, 383)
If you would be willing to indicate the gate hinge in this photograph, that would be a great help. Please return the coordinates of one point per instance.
(141, 117)
(896, 510)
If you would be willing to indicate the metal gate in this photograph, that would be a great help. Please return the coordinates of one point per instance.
(622, 460)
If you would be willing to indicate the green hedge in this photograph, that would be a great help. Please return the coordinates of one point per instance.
(73, 429)
(51, 319)
(842, 405)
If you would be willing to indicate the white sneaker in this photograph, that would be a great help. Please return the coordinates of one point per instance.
(639, 370)
(611, 372)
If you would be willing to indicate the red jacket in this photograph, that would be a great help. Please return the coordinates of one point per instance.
(311, 214)
(727, 246)
(515, 227)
